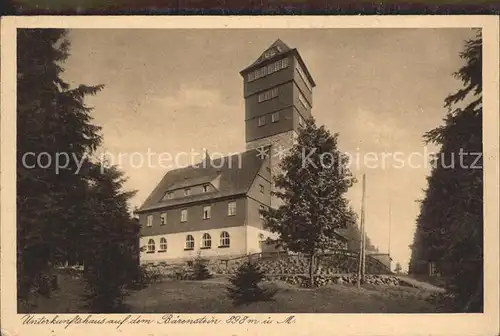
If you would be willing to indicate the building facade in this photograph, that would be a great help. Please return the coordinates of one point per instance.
(213, 208)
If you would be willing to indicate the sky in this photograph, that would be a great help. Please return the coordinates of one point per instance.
(172, 91)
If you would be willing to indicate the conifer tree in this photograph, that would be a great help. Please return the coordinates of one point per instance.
(245, 287)
(53, 123)
(110, 238)
(200, 269)
(312, 187)
(450, 224)
(72, 208)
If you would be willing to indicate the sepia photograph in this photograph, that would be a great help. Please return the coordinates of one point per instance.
(248, 171)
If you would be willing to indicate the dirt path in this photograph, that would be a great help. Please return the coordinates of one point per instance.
(421, 284)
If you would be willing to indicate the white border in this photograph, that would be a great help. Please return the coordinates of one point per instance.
(343, 324)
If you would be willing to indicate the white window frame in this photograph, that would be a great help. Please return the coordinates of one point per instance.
(163, 218)
(275, 117)
(163, 244)
(189, 242)
(231, 208)
(303, 101)
(268, 95)
(261, 120)
(206, 241)
(207, 212)
(269, 69)
(149, 221)
(151, 247)
(304, 77)
(225, 239)
(184, 215)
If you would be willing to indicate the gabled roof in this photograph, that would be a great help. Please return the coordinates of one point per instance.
(235, 173)
(276, 50)
(280, 49)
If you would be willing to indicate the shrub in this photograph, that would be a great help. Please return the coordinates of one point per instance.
(145, 276)
(245, 285)
(200, 269)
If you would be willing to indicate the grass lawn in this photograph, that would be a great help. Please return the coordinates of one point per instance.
(170, 296)
(209, 297)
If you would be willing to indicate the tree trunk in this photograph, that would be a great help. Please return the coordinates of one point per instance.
(311, 270)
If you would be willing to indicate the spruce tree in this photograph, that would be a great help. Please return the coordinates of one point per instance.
(245, 285)
(110, 237)
(53, 123)
(200, 269)
(76, 211)
(313, 189)
(450, 224)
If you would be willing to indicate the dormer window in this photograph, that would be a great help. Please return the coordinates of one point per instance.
(187, 191)
(169, 195)
(205, 188)
(270, 53)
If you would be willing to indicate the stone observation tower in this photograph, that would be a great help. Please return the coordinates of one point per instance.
(278, 98)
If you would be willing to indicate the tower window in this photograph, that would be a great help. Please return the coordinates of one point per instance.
(269, 53)
(303, 101)
(269, 94)
(268, 69)
(261, 209)
(261, 188)
(303, 76)
(275, 116)
(262, 120)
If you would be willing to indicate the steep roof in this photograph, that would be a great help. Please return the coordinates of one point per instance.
(235, 173)
(278, 48)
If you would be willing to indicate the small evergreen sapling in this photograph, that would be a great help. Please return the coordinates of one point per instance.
(200, 269)
(245, 285)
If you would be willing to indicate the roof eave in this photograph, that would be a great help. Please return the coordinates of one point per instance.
(267, 61)
(177, 205)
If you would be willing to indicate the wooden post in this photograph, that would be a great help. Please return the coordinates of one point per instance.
(361, 268)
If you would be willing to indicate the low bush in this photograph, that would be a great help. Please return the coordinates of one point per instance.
(245, 285)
